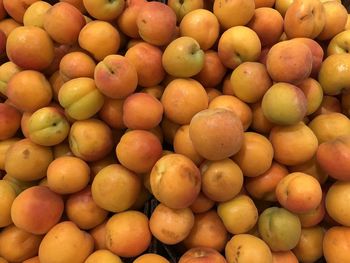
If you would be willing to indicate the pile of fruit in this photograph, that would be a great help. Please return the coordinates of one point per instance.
(191, 131)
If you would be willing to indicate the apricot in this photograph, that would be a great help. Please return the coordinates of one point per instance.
(234, 104)
(150, 258)
(284, 257)
(156, 23)
(147, 59)
(299, 192)
(115, 76)
(247, 248)
(250, 81)
(333, 73)
(127, 20)
(76, 64)
(313, 93)
(67, 175)
(232, 45)
(309, 21)
(134, 114)
(293, 55)
(268, 24)
(98, 234)
(255, 156)
(216, 133)
(37, 209)
(336, 202)
(61, 243)
(182, 99)
(202, 25)
(333, 155)
(103, 255)
(233, 13)
(221, 180)
(202, 204)
(298, 137)
(110, 178)
(260, 123)
(227, 86)
(334, 24)
(171, 226)
(175, 181)
(139, 150)
(90, 139)
(213, 70)
(80, 98)
(264, 186)
(34, 14)
(272, 228)
(183, 145)
(17, 245)
(202, 254)
(208, 231)
(7, 25)
(309, 247)
(63, 23)
(327, 127)
(30, 47)
(4, 146)
(317, 53)
(7, 70)
(33, 86)
(183, 57)
(315, 216)
(83, 211)
(284, 104)
(27, 161)
(10, 121)
(123, 232)
(7, 196)
(336, 244)
(48, 126)
(112, 113)
(100, 39)
(239, 214)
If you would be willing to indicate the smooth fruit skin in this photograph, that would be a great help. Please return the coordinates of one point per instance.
(279, 228)
(30, 47)
(233, 13)
(284, 104)
(115, 188)
(7, 196)
(239, 214)
(336, 244)
(337, 199)
(333, 157)
(183, 58)
(80, 98)
(234, 49)
(37, 209)
(128, 234)
(334, 75)
(156, 23)
(247, 248)
(65, 242)
(48, 126)
(223, 137)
